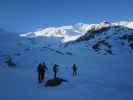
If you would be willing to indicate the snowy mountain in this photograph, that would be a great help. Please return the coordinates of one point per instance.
(109, 37)
(69, 33)
(65, 33)
(101, 37)
(102, 53)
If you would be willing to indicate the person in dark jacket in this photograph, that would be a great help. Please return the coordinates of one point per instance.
(55, 70)
(74, 68)
(41, 72)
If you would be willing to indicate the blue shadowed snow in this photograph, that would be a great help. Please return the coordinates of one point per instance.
(100, 77)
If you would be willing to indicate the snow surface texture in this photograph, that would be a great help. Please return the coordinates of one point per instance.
(100, 77)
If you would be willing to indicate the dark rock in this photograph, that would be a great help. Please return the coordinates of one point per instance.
(130, 38)
(97, 46)
(59, 52)
(131, 45)
(68, 53)
(9, 61)
(109, 52)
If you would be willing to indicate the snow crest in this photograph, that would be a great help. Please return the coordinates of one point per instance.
(72, 32)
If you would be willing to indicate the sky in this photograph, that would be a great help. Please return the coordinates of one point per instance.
(28, 15)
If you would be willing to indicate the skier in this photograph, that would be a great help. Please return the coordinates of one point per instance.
(55, 70)
(41, 72)
(74, 68)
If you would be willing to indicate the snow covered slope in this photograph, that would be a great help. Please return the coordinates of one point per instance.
(101, 75)
(69, 33)
(66, 33)
(104, 36)
(109, 37)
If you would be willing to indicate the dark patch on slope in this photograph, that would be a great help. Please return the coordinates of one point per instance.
(129, 39)
(98, 47)
(91, 34)
(57, 51)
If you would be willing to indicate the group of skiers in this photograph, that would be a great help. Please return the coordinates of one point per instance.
(42, 68)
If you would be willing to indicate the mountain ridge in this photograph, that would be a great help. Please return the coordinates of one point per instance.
(74, 31)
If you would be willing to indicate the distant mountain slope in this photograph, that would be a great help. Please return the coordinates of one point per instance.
(108, 37)
(104, 36)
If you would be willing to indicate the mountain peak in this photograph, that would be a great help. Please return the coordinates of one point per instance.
(72, 32)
